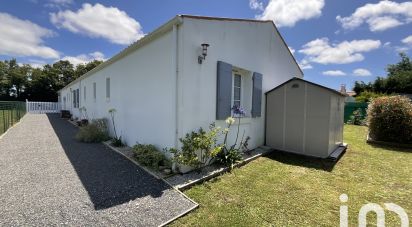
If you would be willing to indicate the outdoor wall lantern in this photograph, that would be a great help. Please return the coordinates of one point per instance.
(202, 57)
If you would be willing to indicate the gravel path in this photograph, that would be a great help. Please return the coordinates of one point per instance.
(48, 178)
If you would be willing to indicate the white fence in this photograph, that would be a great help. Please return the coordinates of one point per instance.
(42, 107)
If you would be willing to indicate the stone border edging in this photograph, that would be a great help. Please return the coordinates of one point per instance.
(154, 175)
(159, 178)
(222, 170)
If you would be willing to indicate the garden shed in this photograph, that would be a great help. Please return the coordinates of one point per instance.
(305, 118)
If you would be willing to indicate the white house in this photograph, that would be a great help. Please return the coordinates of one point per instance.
(163, 88)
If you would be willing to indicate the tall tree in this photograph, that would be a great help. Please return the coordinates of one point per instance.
(19, 82)
(398, 80)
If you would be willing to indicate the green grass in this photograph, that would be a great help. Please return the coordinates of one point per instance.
(289, 190)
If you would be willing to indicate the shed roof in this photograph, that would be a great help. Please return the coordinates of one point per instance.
(163, 29)
(305, 81)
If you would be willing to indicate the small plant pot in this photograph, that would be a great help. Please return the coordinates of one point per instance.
(184, 168)
(167, 171)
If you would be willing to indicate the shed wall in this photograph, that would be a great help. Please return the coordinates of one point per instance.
(298, 119)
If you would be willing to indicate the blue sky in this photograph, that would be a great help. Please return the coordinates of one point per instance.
(335, 42)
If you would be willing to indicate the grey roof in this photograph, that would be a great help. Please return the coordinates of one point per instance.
(299, 79)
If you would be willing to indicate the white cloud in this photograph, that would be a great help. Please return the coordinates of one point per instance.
(320, 51)
(291, 50)
(34, 63)
(361, 72)
(85, 58)
(256, 5)
(378, 24)
(100, 21)
(58, 3)
(407, 40)
(379, 16)
(285, 13)
(304, 64)
(334, 73)
(24, 38)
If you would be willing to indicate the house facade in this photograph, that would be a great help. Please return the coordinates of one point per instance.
(161, 91)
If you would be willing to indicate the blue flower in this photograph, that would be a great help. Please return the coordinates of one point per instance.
(237, 110)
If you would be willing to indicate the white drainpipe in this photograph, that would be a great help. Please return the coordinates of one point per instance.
(175, 60)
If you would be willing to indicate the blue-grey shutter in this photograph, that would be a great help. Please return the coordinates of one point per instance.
(257, 95)
(224, 90)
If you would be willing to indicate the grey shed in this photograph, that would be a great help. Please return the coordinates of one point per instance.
(305, 118)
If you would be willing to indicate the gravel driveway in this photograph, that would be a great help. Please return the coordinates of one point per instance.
(48, 178)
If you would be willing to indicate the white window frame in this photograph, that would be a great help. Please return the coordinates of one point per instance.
(234, 74)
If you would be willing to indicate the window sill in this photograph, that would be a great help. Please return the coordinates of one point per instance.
(243, 120)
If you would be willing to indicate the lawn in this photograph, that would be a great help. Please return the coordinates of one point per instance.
(289, 190)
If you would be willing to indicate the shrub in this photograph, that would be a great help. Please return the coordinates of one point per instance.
(149, 155)
(390, 119)
(357, 118)
(94, 132)
(117, 142)
(198, 147)
(367, 96)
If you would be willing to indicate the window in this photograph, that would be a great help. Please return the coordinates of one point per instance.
(242, 89)
(84, 93)
(107, 88)
(94, 91)
(76, 98)
(237, 90)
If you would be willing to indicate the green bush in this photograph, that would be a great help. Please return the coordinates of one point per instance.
(149, 155)
(198, 147)
(367, 96)
(357, 118)
(390, 119)
(94, 132)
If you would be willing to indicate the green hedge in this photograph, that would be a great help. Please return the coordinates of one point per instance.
(390, 119)
(10, 113)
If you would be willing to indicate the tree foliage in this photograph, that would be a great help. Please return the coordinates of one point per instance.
(398, 80)
(22, 81)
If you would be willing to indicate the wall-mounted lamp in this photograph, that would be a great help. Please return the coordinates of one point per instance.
(202, 57)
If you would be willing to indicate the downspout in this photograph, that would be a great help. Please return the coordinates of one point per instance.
(175, 63)
(175, 60)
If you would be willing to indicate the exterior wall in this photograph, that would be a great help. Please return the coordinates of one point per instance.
(337, 109)
(255, 47)
(275, 118)
(299, 119)
(142, 85)
(317, 121)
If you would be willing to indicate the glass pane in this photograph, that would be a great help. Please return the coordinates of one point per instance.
(237, 80)
(236, 103)
(236, 94)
